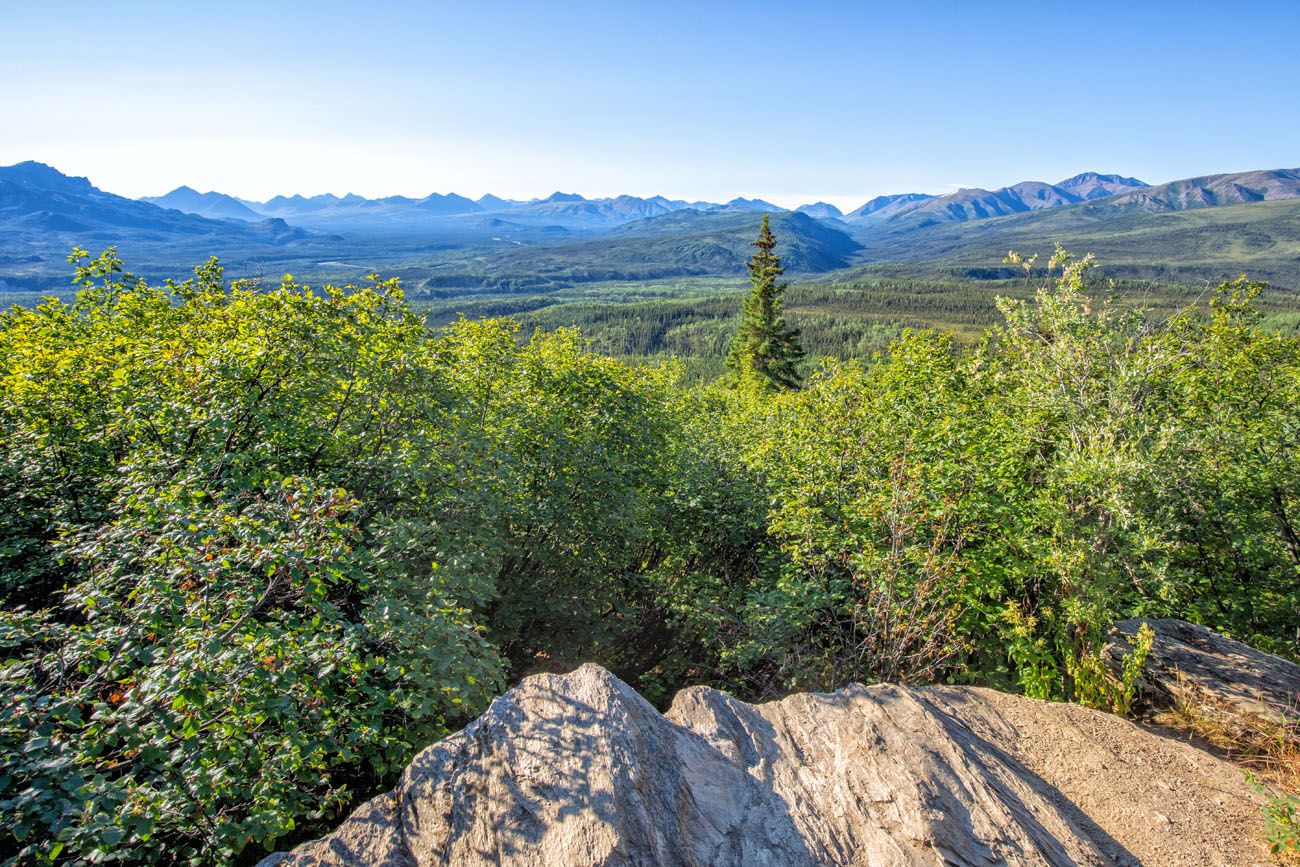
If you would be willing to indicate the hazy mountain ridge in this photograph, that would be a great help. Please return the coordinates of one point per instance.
(401, 213)
(573, 208)
(215, 206)
(327, 209)
(575, 211)
(618, 210)
(685, 242)
(41, 205)
(567, 238)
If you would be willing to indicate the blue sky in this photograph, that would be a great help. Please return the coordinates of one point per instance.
(791, 102)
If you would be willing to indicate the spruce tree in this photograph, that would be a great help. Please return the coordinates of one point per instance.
(766, 350)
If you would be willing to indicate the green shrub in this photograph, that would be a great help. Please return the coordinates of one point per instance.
(986, 514)
(259, 546)
(215, 616)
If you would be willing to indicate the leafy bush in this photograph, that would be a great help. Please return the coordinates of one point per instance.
(987, 514)
(1098, 687)
(259, 546)
(1281, 818)
(871, 512)
(216, 615)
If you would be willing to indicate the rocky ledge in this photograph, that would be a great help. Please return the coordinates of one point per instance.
(578, 769)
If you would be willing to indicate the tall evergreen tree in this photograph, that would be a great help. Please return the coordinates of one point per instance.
(765, 349)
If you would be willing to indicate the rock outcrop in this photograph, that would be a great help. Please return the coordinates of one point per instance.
(882, 775)
(579, 769)
(568, 769)
(1235, 675)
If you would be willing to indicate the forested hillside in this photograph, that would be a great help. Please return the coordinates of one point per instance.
(258, 544)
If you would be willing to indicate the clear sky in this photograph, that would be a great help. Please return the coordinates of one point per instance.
(791, 102)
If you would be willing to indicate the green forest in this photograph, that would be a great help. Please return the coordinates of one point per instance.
(260, 544)
(849, 314)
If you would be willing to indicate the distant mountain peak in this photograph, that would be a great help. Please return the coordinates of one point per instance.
(820, 210)
(1084, 177)
(216, 206)
(740, 203)
(562, 197)
(488, 201)
(445, 203)
(32, 168)
(884, 206)
(30, 173)
(1095, 185)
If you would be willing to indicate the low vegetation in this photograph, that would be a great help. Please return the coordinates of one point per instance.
(259, 544)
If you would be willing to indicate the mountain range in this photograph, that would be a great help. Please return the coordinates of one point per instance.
(398, 213)
(1198, 230)
(456, 241)
(1208, 192)
(215, 206)
(1120, 210)
(980, 204)
(571, 210)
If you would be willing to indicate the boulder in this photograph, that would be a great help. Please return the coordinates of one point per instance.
(579, 769)
(567, 769)
(1184, 655)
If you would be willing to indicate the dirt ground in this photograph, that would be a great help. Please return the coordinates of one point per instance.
(1160, 798)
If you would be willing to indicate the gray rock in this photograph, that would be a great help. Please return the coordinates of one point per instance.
(1235, 674)
(572, 769)
(880, 775)
(578, 769)
(1118, 779)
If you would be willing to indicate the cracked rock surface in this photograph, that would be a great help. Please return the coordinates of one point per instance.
(578, 769)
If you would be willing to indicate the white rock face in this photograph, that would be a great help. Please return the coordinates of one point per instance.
(579, 770)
